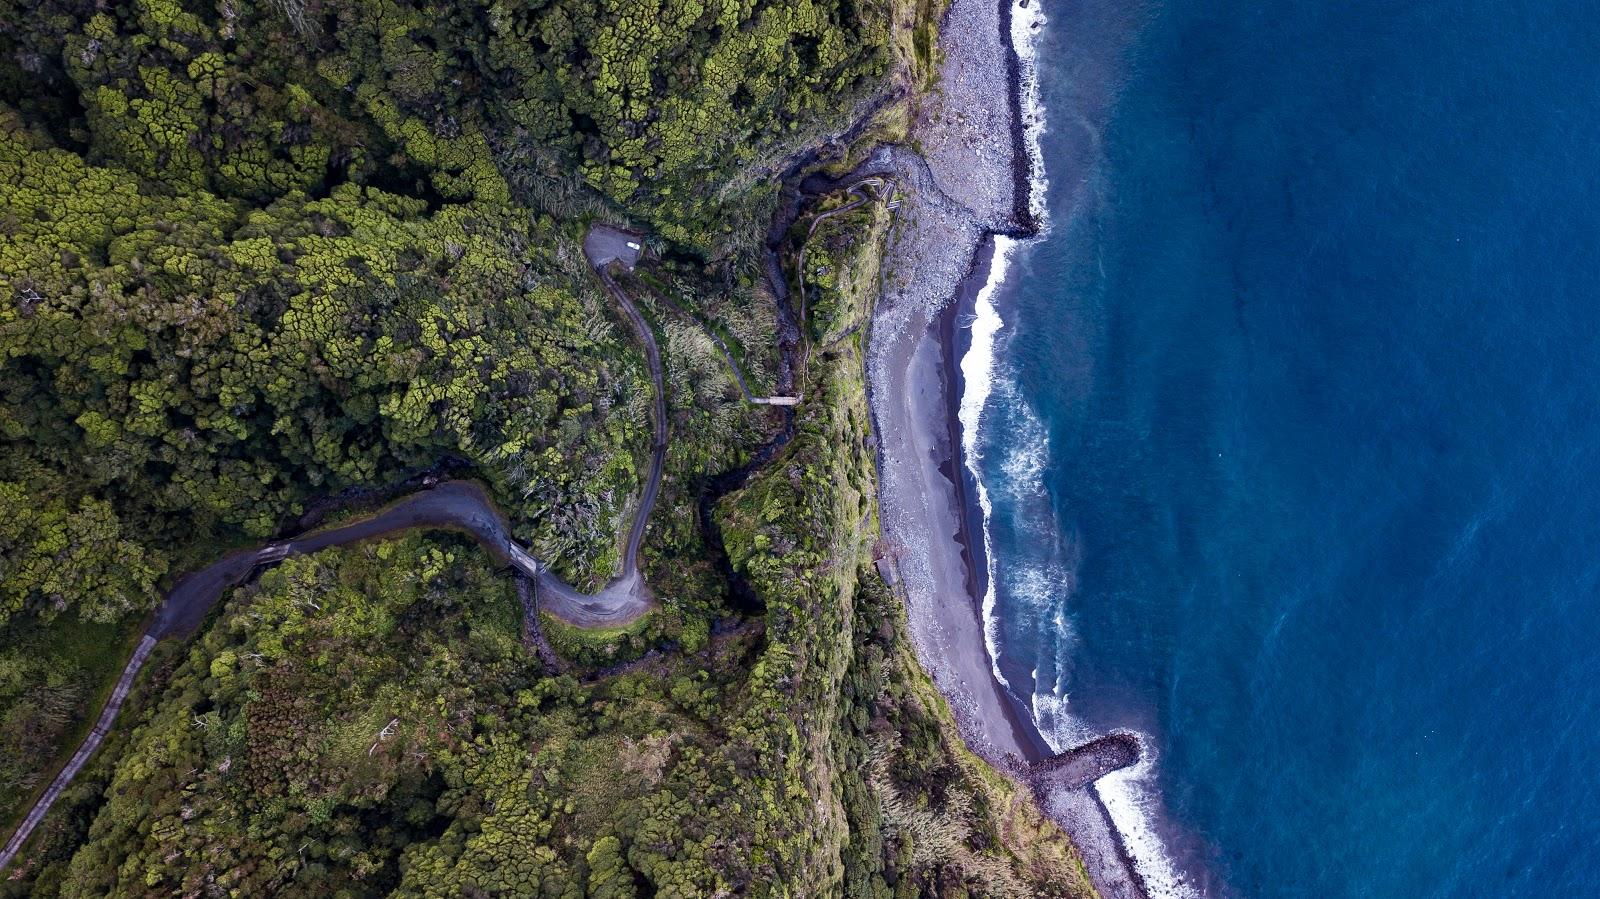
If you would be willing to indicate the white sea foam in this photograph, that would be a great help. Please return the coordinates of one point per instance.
(1027, 446)
(1129, 795)
(1027, 23)
(1057, 725)
(977, 372)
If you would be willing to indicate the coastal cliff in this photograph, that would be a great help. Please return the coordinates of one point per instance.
(281, 269)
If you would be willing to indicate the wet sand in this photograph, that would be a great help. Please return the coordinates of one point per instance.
(940, 254)
(923, 522)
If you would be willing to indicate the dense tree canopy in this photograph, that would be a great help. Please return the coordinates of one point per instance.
(673, 108)
(206, 370)
(258, 253)
(663, 99)
(260, 250)
(364, 722)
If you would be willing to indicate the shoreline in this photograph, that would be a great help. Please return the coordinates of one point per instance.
(975, 182)
(954, 340)
(1165, 862)
(1064, 784)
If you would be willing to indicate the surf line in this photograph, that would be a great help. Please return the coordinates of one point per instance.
(1126, 796)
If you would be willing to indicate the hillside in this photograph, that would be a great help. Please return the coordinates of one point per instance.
(272, 265)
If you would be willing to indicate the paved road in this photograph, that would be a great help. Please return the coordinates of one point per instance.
(457, 505)
(625, 597)
(658, 449)
(90, 744)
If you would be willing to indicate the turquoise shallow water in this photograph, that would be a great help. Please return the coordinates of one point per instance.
(1293, 444)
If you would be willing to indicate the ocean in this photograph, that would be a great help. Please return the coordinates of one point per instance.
(1288, 436)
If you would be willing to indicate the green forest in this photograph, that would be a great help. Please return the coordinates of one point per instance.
(262, 262)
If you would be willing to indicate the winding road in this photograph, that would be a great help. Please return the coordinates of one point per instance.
(455, 505)
(1064, 785)
(625, 597)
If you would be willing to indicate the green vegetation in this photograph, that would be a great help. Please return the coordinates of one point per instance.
(840, 277)
(48, 674)
(365, 721)
(254, 255)
(175, 383)
(600, 645)
(655, 100)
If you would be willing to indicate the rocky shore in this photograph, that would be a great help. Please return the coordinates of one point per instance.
(970, 184)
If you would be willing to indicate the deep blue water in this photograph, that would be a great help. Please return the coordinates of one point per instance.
(1295, 439)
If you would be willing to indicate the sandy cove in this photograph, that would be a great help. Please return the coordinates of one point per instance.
(970, 184)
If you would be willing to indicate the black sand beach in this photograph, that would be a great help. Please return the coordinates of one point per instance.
(974, 186)
(955, 338)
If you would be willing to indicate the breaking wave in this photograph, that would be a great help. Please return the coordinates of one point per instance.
(1037, 588)
(977, 372)
(1027, 21)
